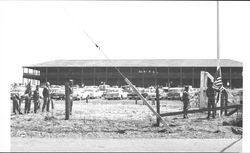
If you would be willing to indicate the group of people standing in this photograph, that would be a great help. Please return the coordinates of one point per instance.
(211, 95)
(29, 96)
(32, 96)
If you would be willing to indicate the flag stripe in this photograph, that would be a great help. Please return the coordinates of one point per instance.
(218, 84)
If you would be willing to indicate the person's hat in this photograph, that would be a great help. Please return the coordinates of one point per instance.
(47, 83)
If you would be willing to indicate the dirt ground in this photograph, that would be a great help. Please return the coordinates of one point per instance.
(117, 119)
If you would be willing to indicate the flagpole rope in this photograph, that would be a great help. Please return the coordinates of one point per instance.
(99, 48)
(96, 45)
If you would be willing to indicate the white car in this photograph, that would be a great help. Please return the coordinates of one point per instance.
(84, 93)
(104, 87)
(175, 93)
(93, 92)
(116, 93)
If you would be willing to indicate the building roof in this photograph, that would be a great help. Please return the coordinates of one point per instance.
(139, 63)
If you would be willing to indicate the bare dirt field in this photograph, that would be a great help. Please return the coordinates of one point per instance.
(118, 119)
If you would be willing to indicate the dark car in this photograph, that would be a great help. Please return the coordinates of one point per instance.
(58, 94)
(174, 93)
(134, 96)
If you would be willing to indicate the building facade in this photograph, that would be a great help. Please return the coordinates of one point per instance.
(142, 73)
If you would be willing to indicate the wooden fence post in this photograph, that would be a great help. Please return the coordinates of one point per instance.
(157, 106)
(149, 106)
(67, 101)
(203, 85)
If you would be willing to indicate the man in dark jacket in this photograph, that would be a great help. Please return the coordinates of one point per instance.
(46, 97)
(36, 98)
(27, 94)
(210, 93)
(185, 99)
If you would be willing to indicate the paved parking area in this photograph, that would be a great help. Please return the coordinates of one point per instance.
(126, 145)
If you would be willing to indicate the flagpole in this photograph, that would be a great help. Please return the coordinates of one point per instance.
(218, 35)
(218, 50)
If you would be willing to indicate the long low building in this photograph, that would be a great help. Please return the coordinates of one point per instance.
(141, 72)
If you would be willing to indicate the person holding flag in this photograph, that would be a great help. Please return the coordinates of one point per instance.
(218, 85)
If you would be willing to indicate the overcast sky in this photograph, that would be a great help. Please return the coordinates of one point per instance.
(34, 32)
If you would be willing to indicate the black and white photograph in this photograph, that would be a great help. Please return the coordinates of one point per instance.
(124, 76)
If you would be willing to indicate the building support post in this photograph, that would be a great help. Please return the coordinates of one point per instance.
(193, 77)
(23, 76)
(82, 76)
(106, 75)
(168, 78)
(57, 75)
(131, 73)
(33, 80)
(46, 74)
(94, 75)
(143, 78)
(181, 76)
(155, 76)
(28, 74)
(230, 78)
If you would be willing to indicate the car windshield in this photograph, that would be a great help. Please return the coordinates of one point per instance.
(88, 90)
(175, 90)
(113, 90)
(149, 90)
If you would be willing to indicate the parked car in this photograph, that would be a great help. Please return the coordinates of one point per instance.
(151, 94)
(93, 92)
(104, 87)
(91, 87)
(82, 93)
(164, 92)
(134, 96)
(127, 88)
(115, 93)
(175, 93)
(58, 94)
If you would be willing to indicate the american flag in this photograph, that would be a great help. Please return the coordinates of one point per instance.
(218, 84)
